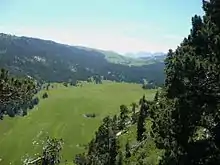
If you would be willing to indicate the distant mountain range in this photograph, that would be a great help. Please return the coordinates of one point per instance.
(50, 61)
(145, 54)
(117, 58)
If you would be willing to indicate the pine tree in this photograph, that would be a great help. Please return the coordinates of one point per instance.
(123, 116)
(103, 149)
(191, 97)
(51, 151)
(113, 149)
(127, 150)
(115, 123)
(120, 159)
(141, 120)
(134, 115)
(156, 96)
(14, 93)
(134, 106)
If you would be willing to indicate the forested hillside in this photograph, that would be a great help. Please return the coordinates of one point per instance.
(48, 61)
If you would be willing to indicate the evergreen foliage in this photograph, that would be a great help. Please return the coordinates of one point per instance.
(127, 150)
(120, 159)
(189, 104)
(51, 151)
(45, 95)
(141, 119)
(123, 116)
(15, 94)
(103, 149)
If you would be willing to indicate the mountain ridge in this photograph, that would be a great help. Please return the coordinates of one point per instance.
(145, 54)
(48, 60)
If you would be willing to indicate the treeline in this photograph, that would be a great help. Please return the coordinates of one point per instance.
(97, 79)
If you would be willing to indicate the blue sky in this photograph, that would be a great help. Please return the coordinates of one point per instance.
(118, 25)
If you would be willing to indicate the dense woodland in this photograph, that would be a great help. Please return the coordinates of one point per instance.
(184, 114)
(47, 61)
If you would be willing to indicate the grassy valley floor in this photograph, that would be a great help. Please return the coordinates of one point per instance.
(61, 116)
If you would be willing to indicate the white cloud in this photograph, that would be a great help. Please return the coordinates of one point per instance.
(108, 38)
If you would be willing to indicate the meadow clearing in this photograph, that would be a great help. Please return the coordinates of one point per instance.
(61, 115)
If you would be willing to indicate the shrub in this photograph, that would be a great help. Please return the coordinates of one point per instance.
(45, 95)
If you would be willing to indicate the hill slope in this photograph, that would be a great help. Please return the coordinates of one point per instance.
(116, 58)
(47, 60)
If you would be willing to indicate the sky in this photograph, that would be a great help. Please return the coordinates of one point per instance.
(118, 25)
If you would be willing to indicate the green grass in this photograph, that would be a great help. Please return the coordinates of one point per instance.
(61, 115)
(149, 154)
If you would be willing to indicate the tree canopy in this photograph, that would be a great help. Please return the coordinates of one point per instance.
(187, 118)
(15, 94)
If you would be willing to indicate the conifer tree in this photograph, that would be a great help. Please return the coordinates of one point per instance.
(192, 93)
(51, 152)
(134, 106)
(141, 119)
(156, 96)
(115, 123)
(123, 116)
(14, 93)
(120, 159)
(103, 149)
(113, 149)
(127, 150)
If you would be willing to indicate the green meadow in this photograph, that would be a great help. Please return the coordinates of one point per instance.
(61, 115)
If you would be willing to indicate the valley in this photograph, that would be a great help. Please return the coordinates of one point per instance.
(68, 104)
(61, 115)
